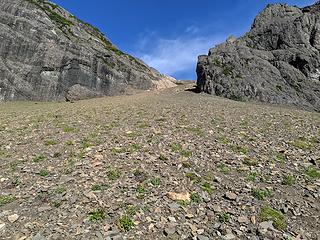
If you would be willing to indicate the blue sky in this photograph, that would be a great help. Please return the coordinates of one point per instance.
(170, 34)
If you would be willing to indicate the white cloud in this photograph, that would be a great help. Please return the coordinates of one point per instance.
(175, 56)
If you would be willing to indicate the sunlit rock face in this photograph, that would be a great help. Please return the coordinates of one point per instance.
(46, 53)
(277, 61)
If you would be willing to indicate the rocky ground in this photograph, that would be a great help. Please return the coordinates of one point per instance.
(158, 165)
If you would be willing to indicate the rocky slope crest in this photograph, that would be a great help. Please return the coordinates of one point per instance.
(277, 61)
(47, 53)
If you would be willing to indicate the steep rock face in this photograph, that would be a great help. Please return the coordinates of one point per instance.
(47, 53)
(278, 61)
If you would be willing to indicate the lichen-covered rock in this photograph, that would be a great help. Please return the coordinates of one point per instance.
(277, 61)
(45, 51)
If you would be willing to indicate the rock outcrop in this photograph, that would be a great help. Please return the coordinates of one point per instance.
(277, 61)
(47, 53)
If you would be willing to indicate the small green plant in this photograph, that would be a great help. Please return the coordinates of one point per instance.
(312, 173)
(38, 158)
(61, 190)
(288, 180)
(261, 194)
(223, 140)
(44, 173)
(182, 203)
(277, 218)
(125, 223)
(224, 168)
(240, 149)
(207, 187)
(131, 210)
(98, 187)
(196, 198)
(252, 176)
(135, 147)
(302, 143)
(86, 142)
(163, 157)
(113, 174)
(141, 190)
(56, 204)
(187, 164)
(195, 130)
(250, 162)
(97, 215)
(224, 217)
(176, 147)
(193, 177)
(69, 143)
(281, 157)
(5, 199)
(50, 142)
(68, 129)
(156, 181)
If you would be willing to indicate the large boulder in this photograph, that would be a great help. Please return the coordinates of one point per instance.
(46, 53)
(277, 61)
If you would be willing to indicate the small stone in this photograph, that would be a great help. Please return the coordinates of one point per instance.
(216, 208)
(231, 196)
(38, 237)
(200, 231)
(169, 231)
(229, 237)
(193, 228)
(157, 210)
(189, 216)
(179, 196)
(2, 226)
(13, 218)
(151, 227)
(174, 207)
(216, 225)
(44, 209)
(98, 157)
(311, 188)
(253, 220)
(243, 219)
(106, 227)
(201, 237)
(265, 226)
(172, 219)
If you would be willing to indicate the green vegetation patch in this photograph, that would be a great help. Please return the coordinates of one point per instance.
(113, 174)
(38, 158)
(261, 194)
(288, 180)
(206, 186)
(54, 16)
(6, 199)
(224, 168)
(250, 162)
(97, 215)
(312, 173)
(196, 198)
(125, 223)
(224, 217)
(277, 218)
(303, 143)
(176, 147)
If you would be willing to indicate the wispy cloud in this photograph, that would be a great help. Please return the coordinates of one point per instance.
(177, 56)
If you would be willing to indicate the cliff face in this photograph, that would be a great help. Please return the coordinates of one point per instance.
(277, 61)
(47, 53)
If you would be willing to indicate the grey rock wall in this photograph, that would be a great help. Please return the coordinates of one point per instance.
(46, 52)
(277, 61)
